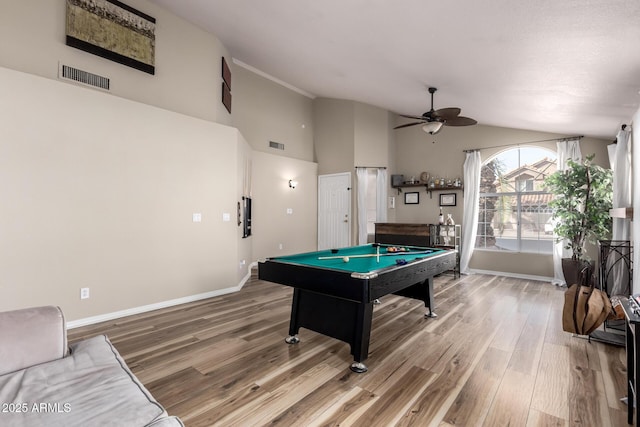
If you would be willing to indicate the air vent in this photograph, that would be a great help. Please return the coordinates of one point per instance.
(276, 145)
(84, 77)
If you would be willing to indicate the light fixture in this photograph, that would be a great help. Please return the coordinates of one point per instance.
(293, 183)
(432, 127)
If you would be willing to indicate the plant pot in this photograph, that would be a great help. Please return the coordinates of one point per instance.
(572, 270)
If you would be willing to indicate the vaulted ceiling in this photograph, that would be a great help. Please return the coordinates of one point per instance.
(570, 67)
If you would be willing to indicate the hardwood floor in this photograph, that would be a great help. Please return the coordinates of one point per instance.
(495, 356)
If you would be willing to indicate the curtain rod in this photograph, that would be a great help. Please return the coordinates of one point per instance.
(568, 138)
(371, 167)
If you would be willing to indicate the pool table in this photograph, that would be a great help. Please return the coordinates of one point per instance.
(334, 290)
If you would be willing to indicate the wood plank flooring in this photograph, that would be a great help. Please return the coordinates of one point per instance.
(495, 356)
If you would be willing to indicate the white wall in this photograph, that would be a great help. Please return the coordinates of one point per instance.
(99, 192)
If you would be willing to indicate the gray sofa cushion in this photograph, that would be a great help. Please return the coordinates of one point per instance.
(91, 387)
(31, 336)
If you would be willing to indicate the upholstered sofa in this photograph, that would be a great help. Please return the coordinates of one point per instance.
(45, 382)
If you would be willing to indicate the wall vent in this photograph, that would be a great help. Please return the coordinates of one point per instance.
(83, 77)
(276, 145)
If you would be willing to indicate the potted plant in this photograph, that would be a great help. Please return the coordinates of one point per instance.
(584, 194)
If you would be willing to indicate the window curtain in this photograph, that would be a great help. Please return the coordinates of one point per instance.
(381, 195)
(566, 150)
(361, 176)
(471, 169)
(622, 178)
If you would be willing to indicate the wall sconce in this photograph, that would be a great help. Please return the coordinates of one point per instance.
(293, 183)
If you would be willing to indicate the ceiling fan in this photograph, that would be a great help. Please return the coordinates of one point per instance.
(433, 120)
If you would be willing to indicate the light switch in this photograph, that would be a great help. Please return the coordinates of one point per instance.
(226, 217)
(197, 217)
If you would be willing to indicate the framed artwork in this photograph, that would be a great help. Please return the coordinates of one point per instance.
(112, 30)
(226, 97)
(448, 199)
(226, 73)
(412, 198)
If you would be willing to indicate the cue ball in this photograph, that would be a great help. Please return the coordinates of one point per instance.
(345, 259)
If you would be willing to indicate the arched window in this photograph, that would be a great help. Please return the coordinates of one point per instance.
(514, 213)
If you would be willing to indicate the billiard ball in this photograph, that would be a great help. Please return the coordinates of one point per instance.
(345, 259)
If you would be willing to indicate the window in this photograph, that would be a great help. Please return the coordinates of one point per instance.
(514, 214)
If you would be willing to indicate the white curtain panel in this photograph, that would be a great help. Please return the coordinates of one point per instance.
(622, 184)
(471, 170)
(361, 176)
(381, 195)
(566, 150)
(622, 179)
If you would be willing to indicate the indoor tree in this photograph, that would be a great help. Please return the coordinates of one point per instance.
(584, 194)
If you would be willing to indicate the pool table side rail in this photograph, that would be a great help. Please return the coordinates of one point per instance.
(337, 283)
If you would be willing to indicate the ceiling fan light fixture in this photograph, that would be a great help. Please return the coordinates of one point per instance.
(432, 127)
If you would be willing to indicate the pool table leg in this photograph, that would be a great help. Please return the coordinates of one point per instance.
(359, 367)
(429, 284)
(361, 336)
(294, 327)
(292, 339)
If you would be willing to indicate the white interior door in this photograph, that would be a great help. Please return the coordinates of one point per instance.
(334, 211)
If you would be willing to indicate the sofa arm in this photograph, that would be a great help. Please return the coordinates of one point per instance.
(31, 336)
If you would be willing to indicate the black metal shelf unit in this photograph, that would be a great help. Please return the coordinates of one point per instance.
(615, 273)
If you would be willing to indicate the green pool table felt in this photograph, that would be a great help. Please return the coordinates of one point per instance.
(360, 264)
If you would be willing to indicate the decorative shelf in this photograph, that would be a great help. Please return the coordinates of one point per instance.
(429, 189)
(621, 213)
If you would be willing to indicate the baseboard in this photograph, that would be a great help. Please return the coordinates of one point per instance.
(514, 275)
(163, 304)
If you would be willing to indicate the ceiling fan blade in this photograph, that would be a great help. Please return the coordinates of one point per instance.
(447, 113)
(412, 117)
(460, 121)
(409, 124)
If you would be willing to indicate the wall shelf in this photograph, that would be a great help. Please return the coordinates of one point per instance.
(426, 186)
(621, 213)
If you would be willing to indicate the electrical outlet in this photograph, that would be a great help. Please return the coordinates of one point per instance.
(280, 246)
(84, 293)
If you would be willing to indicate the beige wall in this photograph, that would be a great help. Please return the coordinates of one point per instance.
(272, 225)
(635, 230)
(243, 189)
(188, 59)
(99, 192)
(264, 111)
(101, 187)
(334, 122)
(371, 136)
(134, 237)
(351, 134)
(443, 155)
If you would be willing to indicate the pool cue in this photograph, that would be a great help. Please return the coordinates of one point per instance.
(372, 255)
